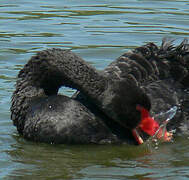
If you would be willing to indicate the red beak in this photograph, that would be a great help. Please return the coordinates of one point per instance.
(150, 127)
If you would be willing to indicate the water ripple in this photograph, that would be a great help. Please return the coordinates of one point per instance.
(98, 31)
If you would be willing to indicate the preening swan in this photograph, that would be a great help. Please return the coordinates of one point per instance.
(109, 104)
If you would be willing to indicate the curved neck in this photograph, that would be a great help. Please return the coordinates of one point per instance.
(53, 68)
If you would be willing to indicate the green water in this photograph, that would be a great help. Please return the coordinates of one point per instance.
(99, 31)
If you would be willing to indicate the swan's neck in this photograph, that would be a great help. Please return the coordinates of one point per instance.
(21, 99)
(56, 67)
(46, 72)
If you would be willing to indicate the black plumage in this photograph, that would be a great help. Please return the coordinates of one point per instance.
(104, 108)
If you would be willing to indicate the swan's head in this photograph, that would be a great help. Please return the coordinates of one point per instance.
(129, 105)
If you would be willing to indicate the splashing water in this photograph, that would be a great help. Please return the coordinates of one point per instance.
(167, 116)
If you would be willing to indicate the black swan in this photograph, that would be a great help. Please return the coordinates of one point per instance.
(109, 105)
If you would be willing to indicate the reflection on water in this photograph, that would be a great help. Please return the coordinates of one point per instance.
(98, 162)
(98, 31)
(66, 161)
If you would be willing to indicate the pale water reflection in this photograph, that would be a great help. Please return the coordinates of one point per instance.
(99, 32)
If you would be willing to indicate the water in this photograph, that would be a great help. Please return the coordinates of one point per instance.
(99, 31)
(167, 116)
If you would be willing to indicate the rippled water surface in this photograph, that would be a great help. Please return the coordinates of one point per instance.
(99, 31)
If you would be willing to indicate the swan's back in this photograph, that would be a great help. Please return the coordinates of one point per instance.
(150, 63)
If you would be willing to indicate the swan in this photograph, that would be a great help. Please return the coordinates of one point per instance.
(110, 105)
